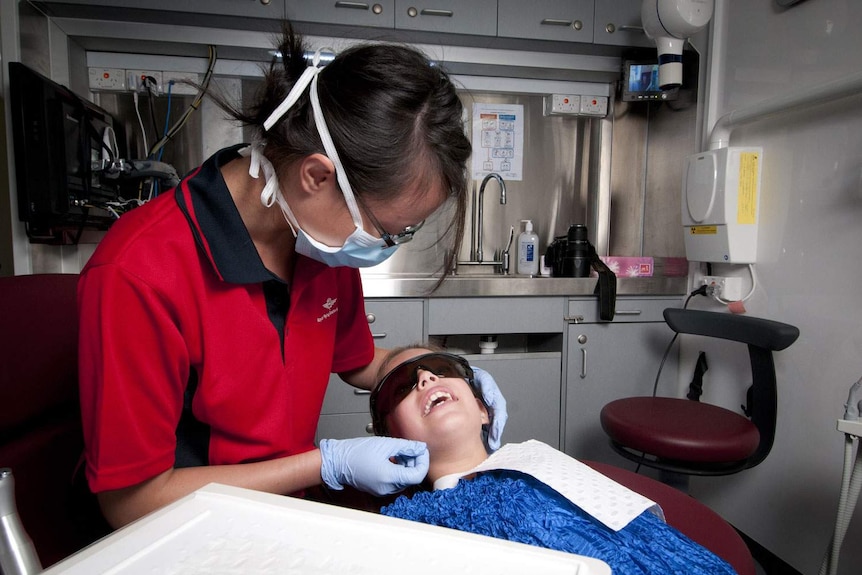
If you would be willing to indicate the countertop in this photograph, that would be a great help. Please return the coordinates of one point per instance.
(669, 277)
(392, 286)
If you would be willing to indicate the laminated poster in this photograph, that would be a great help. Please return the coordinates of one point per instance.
(498, 140)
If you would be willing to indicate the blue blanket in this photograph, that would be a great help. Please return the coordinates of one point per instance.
(517, 507)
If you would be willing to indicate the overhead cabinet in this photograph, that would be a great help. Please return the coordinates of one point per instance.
(561, 20)
(451, 16)
(618, 23)
(248, 8)
(373, 14)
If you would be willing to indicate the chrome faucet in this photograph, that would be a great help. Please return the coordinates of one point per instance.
(476, 231)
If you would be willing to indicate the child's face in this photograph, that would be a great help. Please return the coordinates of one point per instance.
(438, 409)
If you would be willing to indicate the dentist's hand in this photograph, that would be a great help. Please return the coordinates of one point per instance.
(366, 463)
(496, 404)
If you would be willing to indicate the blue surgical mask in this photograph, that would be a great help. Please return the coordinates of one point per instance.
(360, 249)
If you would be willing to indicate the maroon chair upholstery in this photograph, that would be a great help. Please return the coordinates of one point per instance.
(694, 519)
(40, 426)
(691, 437)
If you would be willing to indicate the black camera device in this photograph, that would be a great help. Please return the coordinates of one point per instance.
(569, 255)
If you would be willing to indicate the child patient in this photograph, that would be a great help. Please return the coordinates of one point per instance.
(430, 396)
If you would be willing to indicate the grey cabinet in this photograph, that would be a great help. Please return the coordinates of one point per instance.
(610, 360)
(561, 20)
(618, 23)
(247, 8)
(345, 409)
(530, 382)
(453, 16)
(376, 14)
(527, 365)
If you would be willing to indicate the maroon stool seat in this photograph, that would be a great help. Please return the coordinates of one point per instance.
(695, 438)
(692, 518)
(671, 428)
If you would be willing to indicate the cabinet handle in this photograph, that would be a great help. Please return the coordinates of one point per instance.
(573, 318)
(435, 12)
(628, 312)
(378, 335)
(361, 392)
(369, 429)
(583, 363)
(556, 22)
(354, 5)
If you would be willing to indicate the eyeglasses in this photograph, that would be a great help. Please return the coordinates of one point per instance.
(391, 240)
(400, 381)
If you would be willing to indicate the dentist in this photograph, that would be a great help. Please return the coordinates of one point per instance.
(212, 316)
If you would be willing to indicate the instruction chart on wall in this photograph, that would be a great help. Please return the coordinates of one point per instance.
(498, 140)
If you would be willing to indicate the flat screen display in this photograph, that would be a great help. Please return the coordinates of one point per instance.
(640, 82)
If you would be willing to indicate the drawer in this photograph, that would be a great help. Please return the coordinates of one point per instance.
(628, 309)
(495, 315)
(393, 323)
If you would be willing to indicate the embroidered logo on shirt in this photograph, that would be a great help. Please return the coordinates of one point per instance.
(329, 305)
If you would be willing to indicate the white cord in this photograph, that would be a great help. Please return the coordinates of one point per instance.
(140, 120)
(851, 485)
(750, 292)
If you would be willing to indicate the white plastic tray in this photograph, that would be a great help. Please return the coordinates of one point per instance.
(227, 530)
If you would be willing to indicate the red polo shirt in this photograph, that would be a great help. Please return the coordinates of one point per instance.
(177, 308)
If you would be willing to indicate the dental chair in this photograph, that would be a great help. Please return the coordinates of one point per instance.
(689, 437)
(40, 427)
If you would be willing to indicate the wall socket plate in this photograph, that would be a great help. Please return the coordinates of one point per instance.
(136, 80)
(112, 79)
(562, 105)
(727, 288)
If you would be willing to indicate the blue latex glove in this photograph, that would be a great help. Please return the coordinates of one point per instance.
(366, 463)
(496, 404)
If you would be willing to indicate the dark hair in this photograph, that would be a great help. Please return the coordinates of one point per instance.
(394, 116)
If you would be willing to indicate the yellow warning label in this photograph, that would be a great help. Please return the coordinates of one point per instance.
(703, 230)
(746, 202)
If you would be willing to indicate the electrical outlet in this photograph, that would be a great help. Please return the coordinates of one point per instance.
(594, 105)
(173, 81)
(727, 288)
(562, 104)
(136, 79)
(107, 79)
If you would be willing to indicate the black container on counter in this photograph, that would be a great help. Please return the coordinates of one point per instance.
(569, 255)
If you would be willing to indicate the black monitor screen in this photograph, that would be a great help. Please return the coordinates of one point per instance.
(640, 82)
(58, 143)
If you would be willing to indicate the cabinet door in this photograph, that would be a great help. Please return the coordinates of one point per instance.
(454, 16)
(618, 22)
(248, 8)
(392, 323)
(565, 20)
(606, 362)
(378, 14)
(530, 382)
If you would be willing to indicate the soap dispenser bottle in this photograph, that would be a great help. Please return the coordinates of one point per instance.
(528, 250)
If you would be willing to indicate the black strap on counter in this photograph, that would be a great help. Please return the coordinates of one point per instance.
(606, 288)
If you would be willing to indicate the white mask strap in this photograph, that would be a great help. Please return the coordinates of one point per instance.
(329, 147)
(297, 90)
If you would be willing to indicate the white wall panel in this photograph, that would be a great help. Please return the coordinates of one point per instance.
(809, 264)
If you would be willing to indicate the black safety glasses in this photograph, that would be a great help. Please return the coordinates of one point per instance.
(401, 380)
